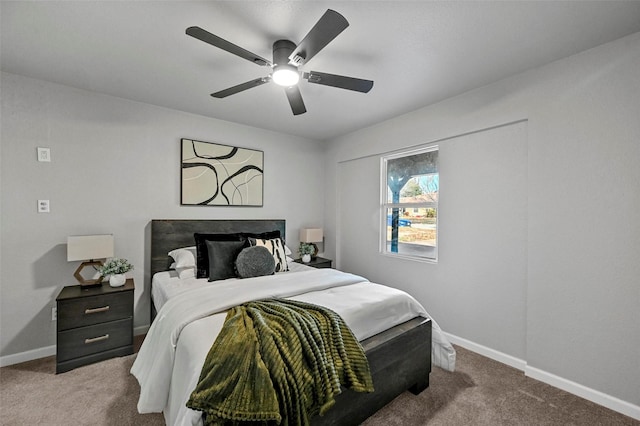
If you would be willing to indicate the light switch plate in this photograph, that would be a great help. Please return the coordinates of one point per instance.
(43, 206)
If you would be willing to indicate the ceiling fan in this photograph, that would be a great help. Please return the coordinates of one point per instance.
(288, 58)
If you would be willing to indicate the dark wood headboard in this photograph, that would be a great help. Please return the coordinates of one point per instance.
(169, 234)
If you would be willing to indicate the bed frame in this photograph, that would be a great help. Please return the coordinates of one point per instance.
(399, 358)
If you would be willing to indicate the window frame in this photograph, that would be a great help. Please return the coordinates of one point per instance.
(385, 205)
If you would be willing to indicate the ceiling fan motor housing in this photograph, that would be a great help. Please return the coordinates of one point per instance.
(281, 51)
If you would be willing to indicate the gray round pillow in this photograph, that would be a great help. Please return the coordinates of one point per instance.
(255, 261)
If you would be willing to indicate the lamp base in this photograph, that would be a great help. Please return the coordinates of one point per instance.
(88, 282)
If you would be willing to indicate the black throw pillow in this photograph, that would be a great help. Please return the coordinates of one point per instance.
(202, 254)
(263, 235)
(222, 258)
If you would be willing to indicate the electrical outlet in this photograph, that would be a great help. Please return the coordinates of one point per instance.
(44, 154)
(54, 313)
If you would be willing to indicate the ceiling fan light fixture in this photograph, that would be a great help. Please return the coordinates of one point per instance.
(285, 75)
(287, 57)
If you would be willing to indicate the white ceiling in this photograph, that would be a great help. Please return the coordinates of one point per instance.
(417, 52)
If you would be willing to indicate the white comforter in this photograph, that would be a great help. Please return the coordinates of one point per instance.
(169, 362)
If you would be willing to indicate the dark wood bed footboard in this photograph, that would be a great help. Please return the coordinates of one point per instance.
(399, 359)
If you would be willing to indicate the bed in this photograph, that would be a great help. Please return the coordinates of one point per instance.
(400, 355)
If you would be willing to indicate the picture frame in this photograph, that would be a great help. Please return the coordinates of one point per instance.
(214, 174)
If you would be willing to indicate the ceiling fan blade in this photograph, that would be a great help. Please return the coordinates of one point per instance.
(341, 81)
(326, 29)
(223, 44)
(295, 100)
(241, 87)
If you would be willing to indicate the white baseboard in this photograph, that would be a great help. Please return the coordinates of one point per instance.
(48, 351)
(27, 356)
(600, 398)
(592, 395)
(141, 330)
(488, 352)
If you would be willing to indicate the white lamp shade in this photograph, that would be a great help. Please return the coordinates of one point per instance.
(311, 235)
(85, 247)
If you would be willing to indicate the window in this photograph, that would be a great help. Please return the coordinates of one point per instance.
(409, 208)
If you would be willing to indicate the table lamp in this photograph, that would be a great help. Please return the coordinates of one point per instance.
(311, 236)
(90, 249)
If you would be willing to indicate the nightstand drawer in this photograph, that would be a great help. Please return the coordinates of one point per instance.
(83, 341)
(91, 310)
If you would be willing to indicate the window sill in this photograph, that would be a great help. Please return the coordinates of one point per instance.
(410, 257)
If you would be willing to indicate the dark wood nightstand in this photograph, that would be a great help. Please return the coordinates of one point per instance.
(94, 324)
(318, 262)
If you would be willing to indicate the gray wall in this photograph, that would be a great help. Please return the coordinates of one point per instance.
(482, 232)
(551, 280)
(115, 166)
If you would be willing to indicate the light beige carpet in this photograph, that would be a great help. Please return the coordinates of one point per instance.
(480, 392)
(99, 394)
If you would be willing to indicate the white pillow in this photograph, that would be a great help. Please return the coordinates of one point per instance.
(183, 257)
(287, 251)
(186, 272)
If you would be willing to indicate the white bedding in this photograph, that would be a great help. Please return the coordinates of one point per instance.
(169, 362)
(166, 284)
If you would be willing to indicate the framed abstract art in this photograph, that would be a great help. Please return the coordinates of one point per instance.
(220, 175)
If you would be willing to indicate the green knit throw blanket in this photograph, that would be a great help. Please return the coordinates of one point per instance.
(278, 362)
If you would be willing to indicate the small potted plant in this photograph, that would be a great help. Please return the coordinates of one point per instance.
(115, 268)
(306, 250)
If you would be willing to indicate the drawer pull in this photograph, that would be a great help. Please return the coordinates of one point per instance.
(96, 339)
(96, 310)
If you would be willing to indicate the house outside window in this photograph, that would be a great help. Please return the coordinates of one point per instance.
(409, 207)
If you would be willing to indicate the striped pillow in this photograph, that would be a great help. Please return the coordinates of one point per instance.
(276, 248)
